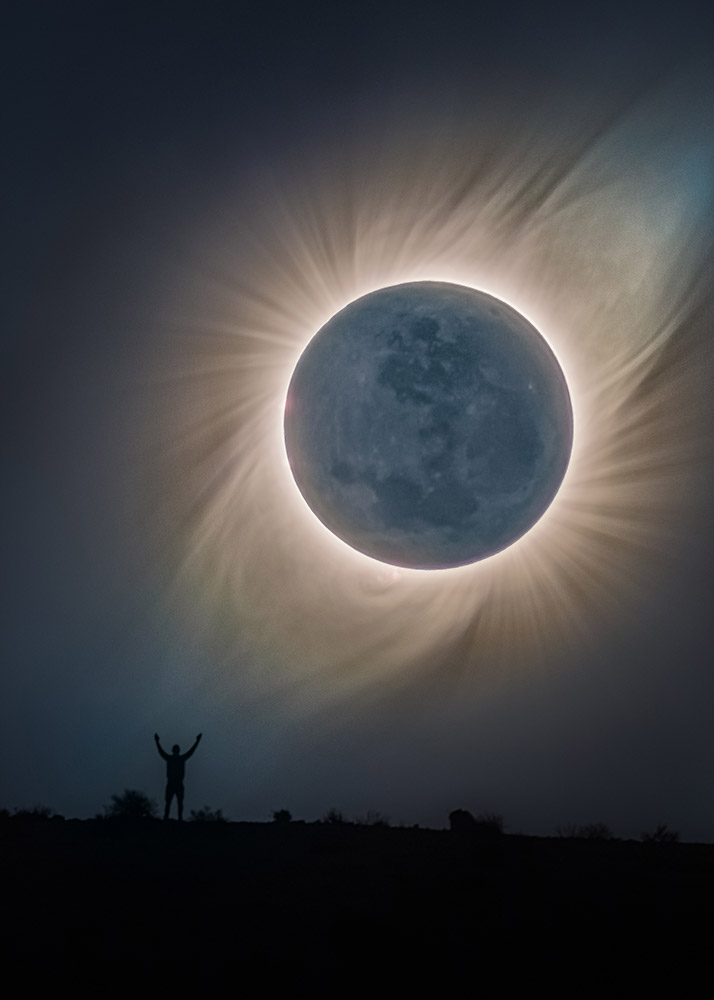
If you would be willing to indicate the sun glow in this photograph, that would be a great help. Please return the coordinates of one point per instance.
(604, 258)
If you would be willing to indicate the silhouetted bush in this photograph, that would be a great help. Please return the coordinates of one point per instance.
(567, 830)
(34, 813)
(589, 831)
(662, 835)
(373, 818)
(282, 816)
(333, 816)
(131, 804)
(485, 826)
(595, 831)
(461, 821)
(207, 815)
(491, 821)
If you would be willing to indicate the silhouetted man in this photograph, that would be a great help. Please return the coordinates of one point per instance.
(175, 766)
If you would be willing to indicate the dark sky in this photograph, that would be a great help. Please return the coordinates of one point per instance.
(187, 188)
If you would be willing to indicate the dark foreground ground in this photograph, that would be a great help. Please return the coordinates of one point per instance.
(328, 909)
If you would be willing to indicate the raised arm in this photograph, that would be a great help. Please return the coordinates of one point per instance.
(158, 747)
(189, 752)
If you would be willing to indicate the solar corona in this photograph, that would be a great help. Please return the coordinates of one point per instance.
(419, 401)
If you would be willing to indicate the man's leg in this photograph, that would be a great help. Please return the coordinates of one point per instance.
(169, 796)
(179, 800)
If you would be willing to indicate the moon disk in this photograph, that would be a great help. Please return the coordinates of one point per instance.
(428, 425)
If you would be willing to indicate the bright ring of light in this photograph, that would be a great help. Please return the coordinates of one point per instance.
(299, 609)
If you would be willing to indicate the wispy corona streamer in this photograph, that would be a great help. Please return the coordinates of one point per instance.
(596, 227)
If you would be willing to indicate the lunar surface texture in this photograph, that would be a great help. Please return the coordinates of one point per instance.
(428, 425)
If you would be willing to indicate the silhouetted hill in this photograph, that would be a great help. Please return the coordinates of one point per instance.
(331, 908)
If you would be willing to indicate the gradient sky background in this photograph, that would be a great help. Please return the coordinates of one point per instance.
(191, 190)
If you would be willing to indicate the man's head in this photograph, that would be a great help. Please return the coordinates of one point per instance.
(175, 748)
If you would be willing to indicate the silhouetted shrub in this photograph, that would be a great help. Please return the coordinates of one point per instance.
(491, 821)
(662, 835)
(461, 821)
(34, 813)
(589, 831)
(486, 826)
(567, 830)
(207, 815)
(282, 816)
(373, 818)
(333, 816)
(595, 831)
(131, 804)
